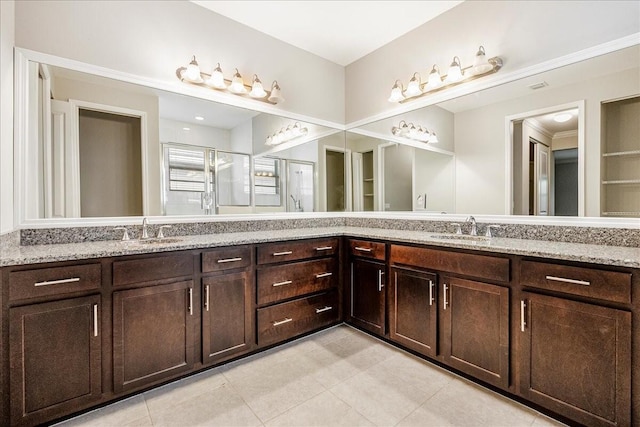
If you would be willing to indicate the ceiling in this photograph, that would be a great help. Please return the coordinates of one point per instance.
(330, 29)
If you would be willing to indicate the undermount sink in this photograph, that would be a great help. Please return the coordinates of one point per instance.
(464, 237)
(155, 241)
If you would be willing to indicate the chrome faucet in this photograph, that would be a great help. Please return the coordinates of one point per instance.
(474, 228)
(145, 232)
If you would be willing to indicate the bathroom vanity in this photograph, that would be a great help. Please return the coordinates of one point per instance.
(531, 319)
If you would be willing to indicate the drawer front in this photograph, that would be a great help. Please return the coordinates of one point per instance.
(480, 266)
(226, 259)
(53, 281)
(150, 269)
(287, 281)
(363, 248)
(588, 282)
(293, 251)
(282, 321)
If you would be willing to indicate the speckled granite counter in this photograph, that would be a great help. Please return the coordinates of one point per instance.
(609, 255)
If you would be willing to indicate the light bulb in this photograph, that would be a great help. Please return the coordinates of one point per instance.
(413, 88)
(404, 128)
(455, 71)
(269, 142)
(413, 132)
(192, 73)
(434, 78)
(433, 139)
(257, 91)
(217, 78)
(480, 64)
(237, 85)
(275, 96)
(288, 133)
(396, 92)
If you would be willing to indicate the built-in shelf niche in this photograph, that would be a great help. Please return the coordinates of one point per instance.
(620, 193)
(368, 181)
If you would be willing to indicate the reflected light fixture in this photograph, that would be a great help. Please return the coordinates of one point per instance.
(192, 74)
(562, 117)
(286, 134)
(455, 75)
(199, 118)
(411, 131)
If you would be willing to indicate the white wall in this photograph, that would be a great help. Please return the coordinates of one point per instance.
(201, 136)
(153, 38)
(6, 115)
(523, 33)
(480, 141)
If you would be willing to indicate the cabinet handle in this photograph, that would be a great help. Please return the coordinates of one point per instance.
(358, 248)
(286, 282)
(282, 253)
(206, 297)
(321, 275)
(324, 248)
(445, 303)
(57, 282)
(282, 322)
(322, 310)
(191, 301)
(572, 281)
(222, 261)
(380, 285)
(431, 284)
(95, 320)
(523, 306)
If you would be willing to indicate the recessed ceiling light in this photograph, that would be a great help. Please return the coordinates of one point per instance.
(199, 118)
(562, 117)
(186, 128)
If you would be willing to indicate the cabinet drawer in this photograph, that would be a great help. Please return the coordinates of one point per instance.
(587, 282)
(226, 259)
(53, 281)
(367, 249)
(282, 321)
(150, 269)
(281, 282)
(292, 251)
(481, 266)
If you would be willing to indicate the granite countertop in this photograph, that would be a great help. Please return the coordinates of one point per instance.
(598, 254)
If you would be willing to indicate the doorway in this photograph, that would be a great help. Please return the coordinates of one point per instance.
(335, 180)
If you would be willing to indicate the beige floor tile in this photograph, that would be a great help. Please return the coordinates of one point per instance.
(125, 412)
(461, 403)
(377, 396)
(324, 409)
(273, 391)
(183, 390)
(219, 407)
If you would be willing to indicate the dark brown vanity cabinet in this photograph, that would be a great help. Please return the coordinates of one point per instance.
(475, 329)
(413, 310)
(153, 322)
(228, 294)
(56, 359)
(367, 291)
(297, 288)
(575, 357)
(54, 341)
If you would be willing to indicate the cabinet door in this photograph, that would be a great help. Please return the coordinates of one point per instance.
(367, 295)
(475, 324)
(227, 316)
(576, 359)
(153, 334)
(55, 358)
(413, 310)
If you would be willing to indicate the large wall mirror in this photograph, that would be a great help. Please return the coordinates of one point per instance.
(99, 147)
(561, 143)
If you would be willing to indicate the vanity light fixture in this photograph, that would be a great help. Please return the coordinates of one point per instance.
(456, 75)
(286, 134)
(411, 131)
(193, 75)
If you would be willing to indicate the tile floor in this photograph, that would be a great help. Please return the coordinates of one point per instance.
(336, 377)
